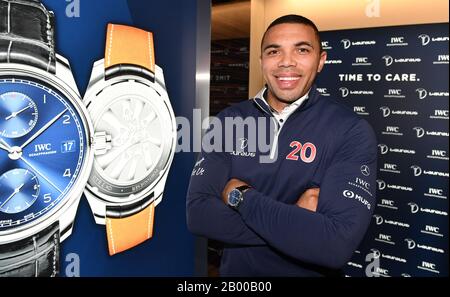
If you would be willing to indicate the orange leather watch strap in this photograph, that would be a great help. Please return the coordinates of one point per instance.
(125, 233)
(129, 45)
(126, 46)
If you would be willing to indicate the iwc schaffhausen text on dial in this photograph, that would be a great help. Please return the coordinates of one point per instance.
(129, 105)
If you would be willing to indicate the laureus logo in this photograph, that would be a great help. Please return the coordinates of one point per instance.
(344, 92)
(347, 43)
(410, 243)
(383, 149)
(378, 219)
(424, 38)
(376, 253)
(385, 110)
(420, 132)
(381, 184)
(416, 170)
(244, 143)
(388, 60)
(414, 207)
(422, 93)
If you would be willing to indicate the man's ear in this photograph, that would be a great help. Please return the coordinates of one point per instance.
(323, 58)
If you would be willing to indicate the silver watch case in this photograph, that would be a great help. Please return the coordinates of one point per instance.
(102, 192)
(65, 212)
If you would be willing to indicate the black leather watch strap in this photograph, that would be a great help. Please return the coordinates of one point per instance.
(33, 256)
(27, 37)
(27, 34)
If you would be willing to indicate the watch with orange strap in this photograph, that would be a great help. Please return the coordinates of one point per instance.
(131, 112)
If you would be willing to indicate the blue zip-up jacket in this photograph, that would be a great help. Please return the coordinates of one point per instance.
(321, 144)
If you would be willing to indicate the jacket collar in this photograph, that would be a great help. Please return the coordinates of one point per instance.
(259, 99)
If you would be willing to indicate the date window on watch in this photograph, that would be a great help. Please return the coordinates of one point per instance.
(68, 146)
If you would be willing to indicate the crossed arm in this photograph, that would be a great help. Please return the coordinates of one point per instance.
(324, 233)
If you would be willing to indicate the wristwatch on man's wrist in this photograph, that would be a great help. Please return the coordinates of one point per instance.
(236, 196)
(45, 142)
(130, 107)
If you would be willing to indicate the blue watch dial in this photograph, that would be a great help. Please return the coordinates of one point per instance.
(18, 114)
(234, 197)
(42, 149)
(24, 188)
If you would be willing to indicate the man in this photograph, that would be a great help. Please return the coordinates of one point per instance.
(267, 213)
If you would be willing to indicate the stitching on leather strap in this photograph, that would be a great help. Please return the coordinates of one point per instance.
(108, 63)
(36, 262)
(111, 235)
(8, 53)
(55, 245)
(49, 41)
(149, 221)
(150, 52)
(9, 17)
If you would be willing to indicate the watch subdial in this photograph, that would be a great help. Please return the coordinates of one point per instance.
(19, 189)
(18, 114)
(136, 141)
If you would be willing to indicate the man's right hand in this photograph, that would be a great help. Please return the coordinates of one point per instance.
(309, 199)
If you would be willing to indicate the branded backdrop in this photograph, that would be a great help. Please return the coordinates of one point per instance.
(397, 79)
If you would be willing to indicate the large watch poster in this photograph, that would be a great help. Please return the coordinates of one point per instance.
(58, 218)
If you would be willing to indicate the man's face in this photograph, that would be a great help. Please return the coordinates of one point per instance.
(290, 61)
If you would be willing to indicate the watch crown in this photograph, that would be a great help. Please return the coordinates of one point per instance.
(101, 143)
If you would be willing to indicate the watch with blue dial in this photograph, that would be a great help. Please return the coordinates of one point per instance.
(236, 196)
(45, 142)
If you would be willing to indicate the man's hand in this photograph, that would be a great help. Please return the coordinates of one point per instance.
(309, 199)
(232, 183)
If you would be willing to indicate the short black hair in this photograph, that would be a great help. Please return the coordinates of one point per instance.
(294, 19)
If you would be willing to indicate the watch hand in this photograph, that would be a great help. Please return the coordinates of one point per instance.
(14, 114)
(38, 172)
(51, 122)
(16, 190)
(5, 146)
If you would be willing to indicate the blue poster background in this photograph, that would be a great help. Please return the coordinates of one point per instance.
(81, 39)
